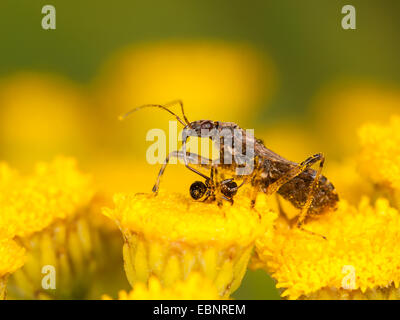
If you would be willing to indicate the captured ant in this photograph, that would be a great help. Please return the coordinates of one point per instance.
(304, 187)
(207, 190)
(228, 188)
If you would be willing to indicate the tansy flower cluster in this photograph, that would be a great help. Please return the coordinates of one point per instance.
(380, 155)
(55, 191)
(65, 234)
(12, 257)
(195, 287)
(176, 248)
(42, 212)
(171, 236)
(359, 259)
(53, 214)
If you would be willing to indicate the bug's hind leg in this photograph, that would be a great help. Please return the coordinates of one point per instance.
(192, 157)
(310, 198)
(311, 193)
(254, 192)
(283, 214)
(294, 172)
(292, 222)
(256, 183)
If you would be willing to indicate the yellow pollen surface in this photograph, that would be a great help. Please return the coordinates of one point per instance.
(29, 204)
(195, 287)
(12, 256)
(175, 217)
(361, 251)
(380, 155)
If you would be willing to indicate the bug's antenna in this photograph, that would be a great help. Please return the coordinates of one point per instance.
(124, 116)
(182, 110)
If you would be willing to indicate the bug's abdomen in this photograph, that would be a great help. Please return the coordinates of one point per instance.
(296, 191)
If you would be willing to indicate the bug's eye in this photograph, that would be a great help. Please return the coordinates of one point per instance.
(207, 124)
(229, 188)
(197, 190)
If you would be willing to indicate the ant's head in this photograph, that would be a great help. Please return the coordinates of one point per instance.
(229, 188)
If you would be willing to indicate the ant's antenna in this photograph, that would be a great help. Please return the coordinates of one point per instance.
(123, 117)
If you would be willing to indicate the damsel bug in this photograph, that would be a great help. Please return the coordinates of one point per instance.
(304, 187)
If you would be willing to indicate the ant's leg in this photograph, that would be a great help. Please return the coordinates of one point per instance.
(207, 196)
(230, 200)
(192, 157)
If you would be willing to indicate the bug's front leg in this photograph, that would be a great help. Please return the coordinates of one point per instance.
(186, 159)
(191, 157)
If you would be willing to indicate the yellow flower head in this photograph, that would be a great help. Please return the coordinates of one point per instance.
(359, 258)
(30, 204)
(175, 217)
(49, 212)
(171, 236)
(380, 156)
(12, 257)
(195, 287)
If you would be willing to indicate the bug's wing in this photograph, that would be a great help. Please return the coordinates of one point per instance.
(266, 153)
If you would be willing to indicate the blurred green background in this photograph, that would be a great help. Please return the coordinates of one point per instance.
(303, 41)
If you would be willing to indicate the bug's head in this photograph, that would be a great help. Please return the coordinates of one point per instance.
(229, 188)
(201, 128)
(197, 190)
